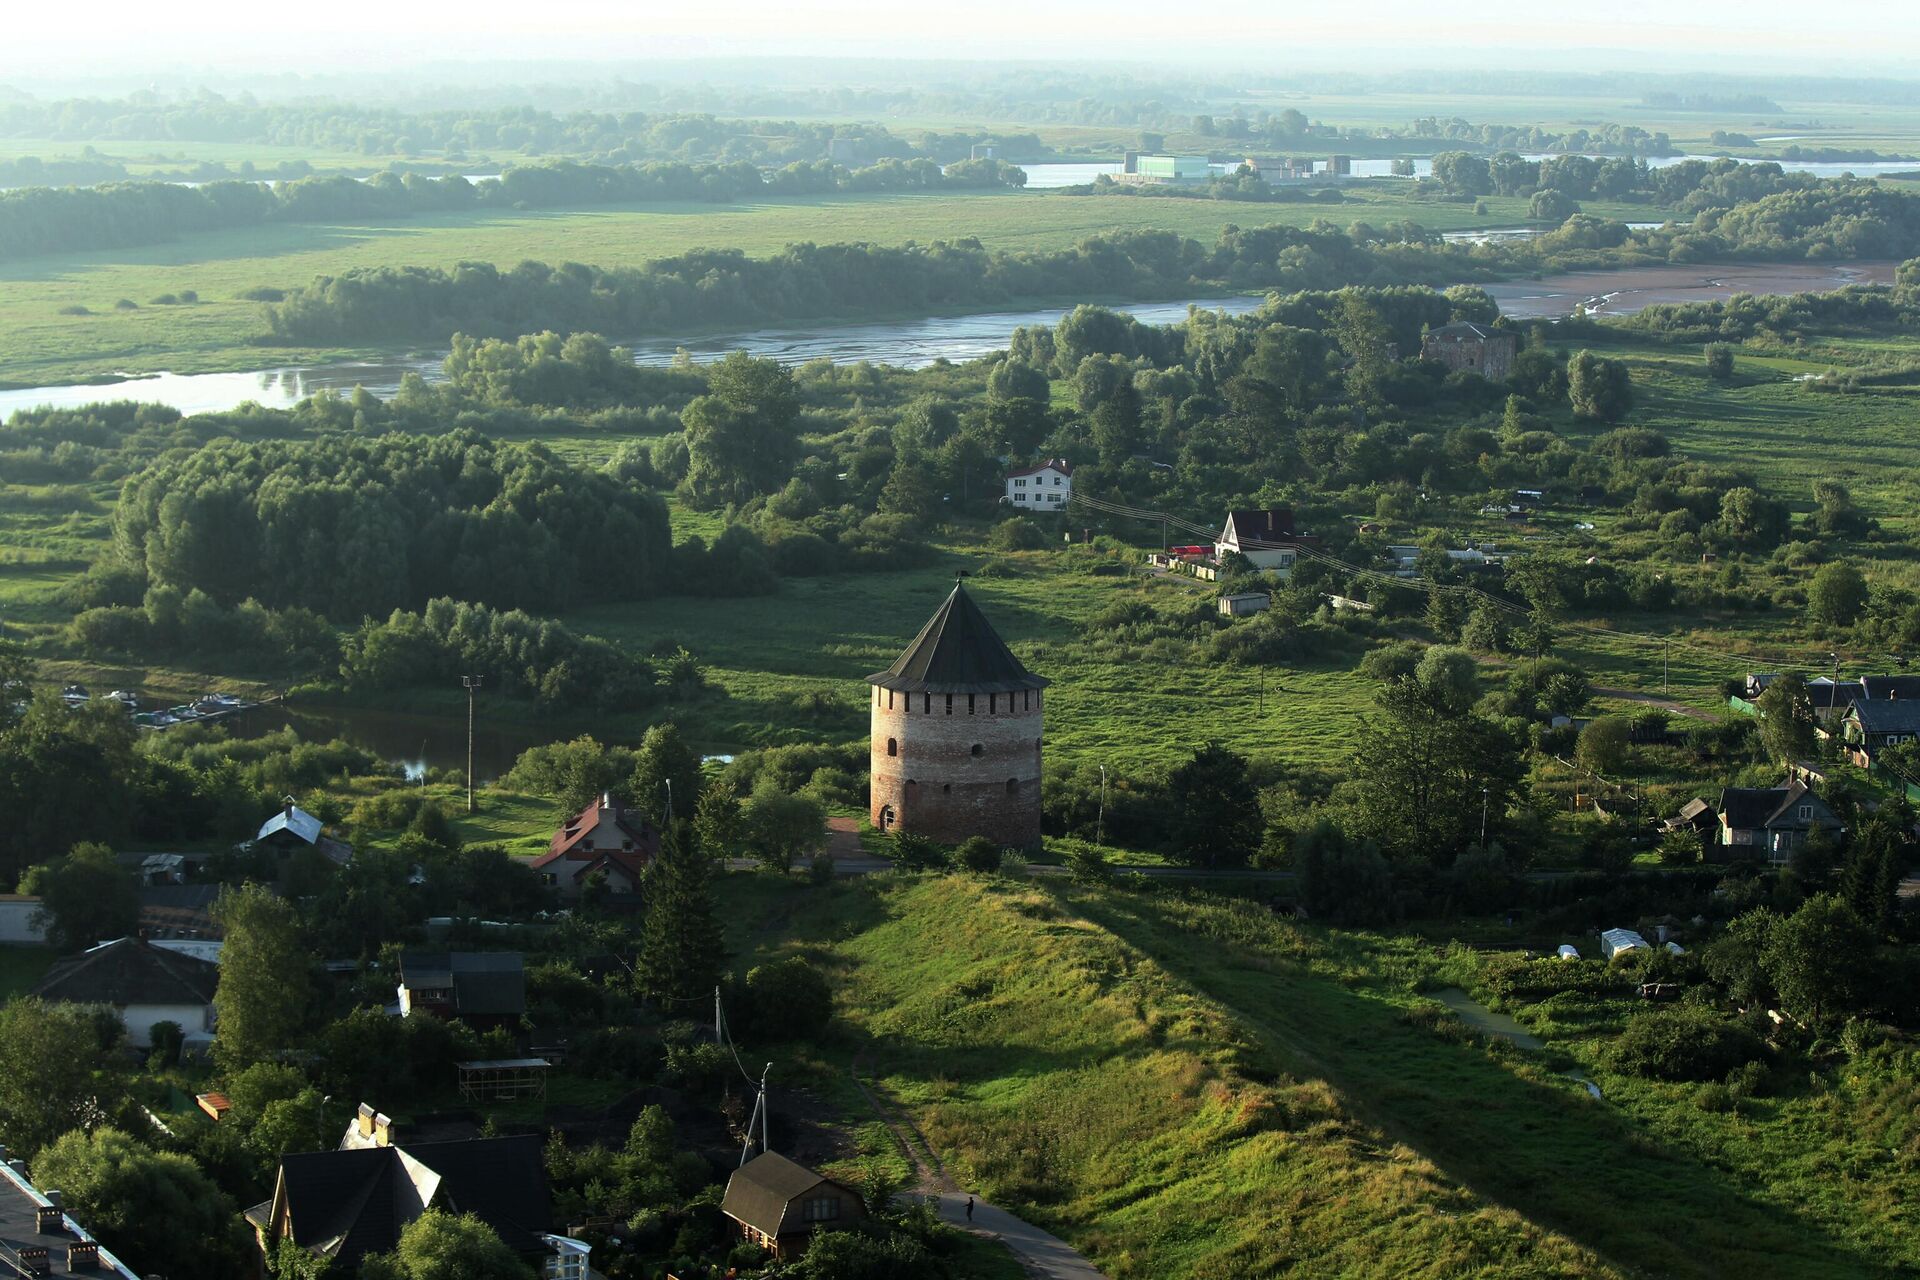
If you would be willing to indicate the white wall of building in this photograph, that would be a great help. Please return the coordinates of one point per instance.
(1047, 489)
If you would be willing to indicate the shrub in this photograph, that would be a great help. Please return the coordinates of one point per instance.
(917, 853)
(75, 309)
(1017, 534)
(788, 999)
(979, 855)
(1682, 1044)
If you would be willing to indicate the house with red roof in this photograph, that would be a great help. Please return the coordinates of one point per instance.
(606, 838)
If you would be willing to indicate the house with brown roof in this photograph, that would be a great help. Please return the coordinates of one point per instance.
(343, 1205)
(605, 838)
(1771, 821)
(779, 1204)
(145, 984)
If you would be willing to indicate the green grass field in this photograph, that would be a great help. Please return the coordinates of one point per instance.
(1191, 1087)
(39, 345)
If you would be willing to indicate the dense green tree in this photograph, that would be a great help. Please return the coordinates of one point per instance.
(1367, 341)
(1605, 744)
(1428, 766)
(1750, 519)
(1598, 388)
(778, 827)
(266, 994)
(1214, 815)
(154, 1206)
(788, 999)
(1878, 856)
(1551, 206)
(63, 779)
(1837, 595)
(86, 897)
(978, 855)
(439, 1245)
(664, 764)
(1787, 719)
(681, 950)
(1821, 960)
(55, 1072)
(716, 821)
(1719, 361)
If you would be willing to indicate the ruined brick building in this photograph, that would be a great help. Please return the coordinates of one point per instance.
(956, 734)
(1465, 347)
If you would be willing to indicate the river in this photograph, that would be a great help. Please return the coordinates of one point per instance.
(910, 344)
(915, 344)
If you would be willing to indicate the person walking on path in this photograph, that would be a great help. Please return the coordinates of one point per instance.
(969, 1208)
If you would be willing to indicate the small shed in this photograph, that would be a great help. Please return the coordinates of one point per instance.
(1240, 604)
(1569, 952)
(1615, 941)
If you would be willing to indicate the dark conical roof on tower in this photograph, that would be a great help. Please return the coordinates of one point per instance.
(958, 651)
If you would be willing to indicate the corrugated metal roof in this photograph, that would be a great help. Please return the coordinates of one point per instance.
(294, 820)
(958, 651)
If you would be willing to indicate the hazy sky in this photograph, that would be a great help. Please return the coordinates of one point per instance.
(40, 39)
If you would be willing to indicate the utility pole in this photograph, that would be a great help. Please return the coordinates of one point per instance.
(1100, 822)
(472, 683)
(719, 1033)
(1666, 658)
(1483, 819)
(1263, 691)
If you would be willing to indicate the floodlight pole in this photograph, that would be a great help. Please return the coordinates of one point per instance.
(472, 683)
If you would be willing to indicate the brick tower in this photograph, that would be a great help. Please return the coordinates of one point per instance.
(956, 734)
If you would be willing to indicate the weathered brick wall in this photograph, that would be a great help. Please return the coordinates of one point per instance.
(1491, 358)
(933, 783)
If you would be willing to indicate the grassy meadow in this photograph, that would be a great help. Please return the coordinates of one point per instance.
(1284, 1098)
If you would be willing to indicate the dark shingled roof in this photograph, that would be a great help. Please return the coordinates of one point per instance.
(760, 1190)
(958, 651)
(1888, 716)
(347, 1204)
(489, 983)
(1885, 688)
(130, 971)
(1754, 808)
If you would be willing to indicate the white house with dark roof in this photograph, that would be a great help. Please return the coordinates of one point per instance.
(1047, 487)
(144, 983)
(1266, 537)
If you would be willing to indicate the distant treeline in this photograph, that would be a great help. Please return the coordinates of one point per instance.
(51, 220)
(716, 289)
(727, 287)
(1605, 139)
(350, 527)
(454, 134)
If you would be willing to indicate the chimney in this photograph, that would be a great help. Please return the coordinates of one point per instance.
(47, 1218)
(288, 811)
(363, 1120)
(382, 1131)
(83, 1255)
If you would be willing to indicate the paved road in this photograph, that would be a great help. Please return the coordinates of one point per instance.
(1042, 1253)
